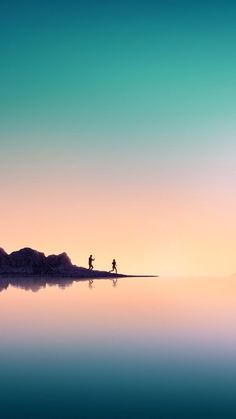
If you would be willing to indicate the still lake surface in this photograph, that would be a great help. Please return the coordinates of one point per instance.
(139, 348)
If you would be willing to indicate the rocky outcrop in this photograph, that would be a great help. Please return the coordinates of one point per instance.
(29, 262)
(4, 258)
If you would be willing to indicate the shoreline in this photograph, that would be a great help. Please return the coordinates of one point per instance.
(105, 275)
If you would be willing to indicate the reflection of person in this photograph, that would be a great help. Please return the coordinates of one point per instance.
(114, 282)
(90, 262)
(114, 266)
(90, 284)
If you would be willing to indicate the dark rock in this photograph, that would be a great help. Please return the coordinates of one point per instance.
(4, 261)
(29, 262)
(58, 263)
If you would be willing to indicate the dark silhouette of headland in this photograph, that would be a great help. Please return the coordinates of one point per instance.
(31, 263)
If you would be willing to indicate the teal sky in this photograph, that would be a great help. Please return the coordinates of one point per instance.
(121, 76)
(144, 90)
(108, 70)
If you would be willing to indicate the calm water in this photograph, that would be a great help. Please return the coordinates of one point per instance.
(141, 348)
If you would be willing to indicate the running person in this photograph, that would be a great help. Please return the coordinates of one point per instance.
(114, 266)
(90, 262)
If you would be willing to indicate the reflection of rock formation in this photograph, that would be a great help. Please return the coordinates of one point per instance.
(34, 283)
(29, 262)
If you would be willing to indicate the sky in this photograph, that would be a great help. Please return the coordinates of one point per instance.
(117, 132)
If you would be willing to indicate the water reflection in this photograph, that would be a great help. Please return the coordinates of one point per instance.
(34, 284)
(115, 282)
(90, 284)
(148, 349)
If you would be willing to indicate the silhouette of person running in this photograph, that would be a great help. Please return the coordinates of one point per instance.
(90, 262)
(114, 266)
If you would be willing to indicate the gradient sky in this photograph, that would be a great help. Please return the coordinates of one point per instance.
(117, 127)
